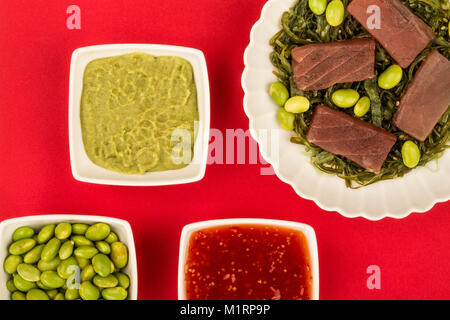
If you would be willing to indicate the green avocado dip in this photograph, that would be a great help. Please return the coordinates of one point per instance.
(138, 113)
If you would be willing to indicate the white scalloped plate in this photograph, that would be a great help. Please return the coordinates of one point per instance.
(418, 191)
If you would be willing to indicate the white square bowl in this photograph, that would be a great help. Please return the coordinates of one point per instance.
(121, 227)
(83, 169)
(307, 230)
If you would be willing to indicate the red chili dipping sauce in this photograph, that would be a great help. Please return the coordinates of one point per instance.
(248, 262)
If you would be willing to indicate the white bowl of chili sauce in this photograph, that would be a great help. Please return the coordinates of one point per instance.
(248, 259)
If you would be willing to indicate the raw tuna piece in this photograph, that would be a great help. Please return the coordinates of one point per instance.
(319, 66)
(357, 140)
(401, 33)
(427, 98)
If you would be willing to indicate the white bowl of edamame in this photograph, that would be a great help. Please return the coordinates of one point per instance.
(119, 230)
(417, 191)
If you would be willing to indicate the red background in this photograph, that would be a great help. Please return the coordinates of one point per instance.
(35, 177)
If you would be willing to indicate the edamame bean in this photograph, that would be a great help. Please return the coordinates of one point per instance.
(102, 264)
(18, 296)
(49, 265)
(52, 293)
(33, 255)
(410, 154)
(66, 249)
(362, 107)
(59, 296)
(37, 294)
(391, 77)
(10, 285)
(286, 119)
(119, 254)
(82, 262)
(117, 293)
(279, 93)
(22, 246)
(297, 104)
(112, 237)
(71, 294)
(85, 252)
(103, 247)
(65, 268)
(124, 280)
(51, 249)
(28, 272)
(46, 233)
(79, 228)
(41, 286)
(81, 241)
(318, 6)
(63, 230)
(10, 264)
(22, 284)
(106, 282)
(88, 291)
(52, 280)
(23, 233)
(88, 273)
(98, 231)
(345, 98)
(335, 13)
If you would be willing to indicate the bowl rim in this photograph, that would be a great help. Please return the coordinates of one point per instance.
(75, 218)
(201, 140)
(305, 229)
(360, 213)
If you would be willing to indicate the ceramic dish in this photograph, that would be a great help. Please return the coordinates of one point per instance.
(418, 191)
(121, 227)
(307, 230)
(83, 169)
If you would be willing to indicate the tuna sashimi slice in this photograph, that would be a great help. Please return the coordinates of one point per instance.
(403, 34)
(344, 135)
(426, 99)
(319, 66)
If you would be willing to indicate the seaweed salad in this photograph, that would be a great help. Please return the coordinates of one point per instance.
(300, 26)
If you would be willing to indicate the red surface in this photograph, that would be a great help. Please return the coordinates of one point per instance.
(35, 50)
